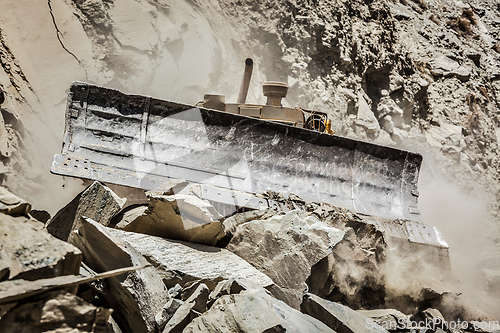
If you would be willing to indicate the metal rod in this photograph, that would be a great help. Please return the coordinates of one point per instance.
(242, 96)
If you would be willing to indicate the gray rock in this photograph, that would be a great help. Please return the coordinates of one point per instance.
(175, 290)
(97, 202)
(365, 117)
(5, 264)
(275, 329)
(285, 247)
(191, 287)
(338, 317)
(40, 215)
(114, 328)
(193, 261)
(444, 66)
(191, 308)
(347, 92)
(29, 252)
(474, 56)
(136, 296)
(389, 319)
(254, 311)
(396, 82)
(231, 223)
(226, 287)
(11, 204)
(54, 311)
(199, 298)
(128, 215)
(167, 312)
(390, 116)
(179, 217)
(433, 315)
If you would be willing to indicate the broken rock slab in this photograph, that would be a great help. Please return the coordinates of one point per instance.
(167, 312)
(179, 217)
(231, 223)
(338, 317)
(254, 311)
(365, 117)
(191, 308)
(29, 252)
(97, 202)
(285, 247)
(135, 296)
(55, 311)
(389, 319)
(226, 287)
(181, 262)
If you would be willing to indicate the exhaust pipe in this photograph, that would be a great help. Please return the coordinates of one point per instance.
(242, 96)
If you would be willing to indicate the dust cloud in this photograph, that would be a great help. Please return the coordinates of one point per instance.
(464, 217)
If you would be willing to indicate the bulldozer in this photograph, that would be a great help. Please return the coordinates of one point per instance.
(235, 151)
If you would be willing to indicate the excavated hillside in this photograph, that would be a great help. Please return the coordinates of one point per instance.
(421, 75)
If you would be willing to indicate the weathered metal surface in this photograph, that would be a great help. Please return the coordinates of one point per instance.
(229, 197)
(425, 234)
(140, 141)
(412, 231)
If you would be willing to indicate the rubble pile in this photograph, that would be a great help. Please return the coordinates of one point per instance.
(422, 75)
(302, 267)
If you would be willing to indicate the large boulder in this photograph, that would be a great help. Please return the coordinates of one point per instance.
(376, 263)
(97, 202)
(29, 252)
(254, 311)
(179, 216)
(181, 262)
(136, 296)
(285, 247)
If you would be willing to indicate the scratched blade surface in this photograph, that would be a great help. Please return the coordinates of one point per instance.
(141, 142)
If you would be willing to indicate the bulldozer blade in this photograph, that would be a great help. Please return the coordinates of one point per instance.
(141, 142)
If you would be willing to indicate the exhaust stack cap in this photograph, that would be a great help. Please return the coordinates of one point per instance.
(274, 91)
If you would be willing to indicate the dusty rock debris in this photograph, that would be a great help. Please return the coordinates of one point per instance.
(421, 75)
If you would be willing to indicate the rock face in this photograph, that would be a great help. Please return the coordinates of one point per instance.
(285, 248)
(253, 311)
(179, 216)
(180, 262)
(29, 252)
(97, 202)
(338, 317)
(136, 296)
